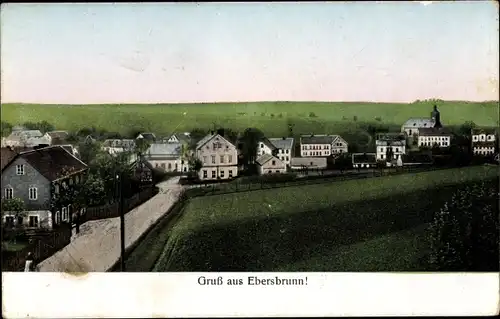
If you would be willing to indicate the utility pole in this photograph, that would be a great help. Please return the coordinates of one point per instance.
(119, 180)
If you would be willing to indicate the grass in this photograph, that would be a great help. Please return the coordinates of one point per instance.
(323, 227)
(271, 117)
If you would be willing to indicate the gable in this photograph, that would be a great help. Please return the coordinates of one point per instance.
(214, 138)
(9, 171)
(339, 139)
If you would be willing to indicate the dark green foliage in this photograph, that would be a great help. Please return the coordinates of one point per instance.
(464, 234)
(312, 114)
(250, 140)
(6, 128)
(43, 126)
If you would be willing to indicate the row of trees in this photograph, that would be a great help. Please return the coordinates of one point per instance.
(465, 232)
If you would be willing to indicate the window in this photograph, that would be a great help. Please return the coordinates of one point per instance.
(286, 151)
(261, 145)
(269, 172)
(397, 149)
(277, 171)
(213, 159)
(20, 220)
(205, 174)
(230, 173)
(71, 181)
(33, 195)
(9, 221)
(185, 169)
(58, 217)
(213, 174)
(156, 165)
(65, 214)
(221, 173)
(287, 158)
(33, 221)
(77, 178)
(230, 158)
(274, 163)
(9, 193)
(163, 165)
(381, 156)
(204, 159)
(176, 166)
(475, 138)
(20, 169)
(222, 159)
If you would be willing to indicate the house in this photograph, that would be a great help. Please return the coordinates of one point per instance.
(20, 137)
(412, 126)
(182, 138)
(218, 156)
(36, 177)
(322, 145)
(282, 148)
(364, 160)
(269, 164)
(308, 163)
(143, 170)
(432, 136)
(150, 137)
(57, 137)
(167, 156)
(390, 146)
(483, 141)
(115, 146)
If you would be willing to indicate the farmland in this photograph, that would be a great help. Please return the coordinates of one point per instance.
(323, 227)
(271, 117)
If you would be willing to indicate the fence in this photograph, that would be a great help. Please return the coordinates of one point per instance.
(237, 186)
(41, 246)
(113, 210)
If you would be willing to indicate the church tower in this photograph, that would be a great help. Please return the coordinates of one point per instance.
(436, 117)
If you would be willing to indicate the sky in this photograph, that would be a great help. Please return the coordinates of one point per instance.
(229, 52)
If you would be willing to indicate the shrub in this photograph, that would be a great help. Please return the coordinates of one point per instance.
(311, 114)
(354, 118)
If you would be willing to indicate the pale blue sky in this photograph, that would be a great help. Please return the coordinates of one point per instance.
(184, 52)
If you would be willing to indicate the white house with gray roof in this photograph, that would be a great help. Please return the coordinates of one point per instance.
(25, 137)
(218, 156)
(166, 156)
(281, 147)
(269, 164)
(322, 145)
(115, 146)
(388, 144)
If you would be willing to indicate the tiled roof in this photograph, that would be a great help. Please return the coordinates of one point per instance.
(306, 161)
(62, 135)
(316, 139)
(487, 131)
(123, 143)
(148, 136)
(433, 132)
(165, 149)
(419, 122)
(50, 161)
(204, 140)
(264, 158)
(282, 143)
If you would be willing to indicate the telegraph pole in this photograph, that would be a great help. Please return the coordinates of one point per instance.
(119, 182)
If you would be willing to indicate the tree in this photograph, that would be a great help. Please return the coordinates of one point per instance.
(250, 139)
(465, 129)
(43, 126)
(195, 165)
(6, 128)
(464, 233)
(89, 151)
(15, 205)
(141, 146)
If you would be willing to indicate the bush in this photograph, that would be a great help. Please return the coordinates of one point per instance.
(355, 118)
(311, 114)
(378, 119)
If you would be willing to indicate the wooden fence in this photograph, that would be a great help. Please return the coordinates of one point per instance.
(237, 186)
(113, 210)
(41, 246)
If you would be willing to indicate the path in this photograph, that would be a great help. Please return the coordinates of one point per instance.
(97, 246)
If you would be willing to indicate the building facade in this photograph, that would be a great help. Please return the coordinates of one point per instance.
(218, 156)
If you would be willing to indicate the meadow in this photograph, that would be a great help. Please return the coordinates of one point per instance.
(271, 117)
(355, 225)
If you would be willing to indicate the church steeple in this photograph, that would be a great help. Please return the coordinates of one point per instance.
(436, 117)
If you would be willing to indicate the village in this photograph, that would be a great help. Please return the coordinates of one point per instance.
(41, 170)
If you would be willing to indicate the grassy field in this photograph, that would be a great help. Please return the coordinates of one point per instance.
(270, 117)
(358, 225)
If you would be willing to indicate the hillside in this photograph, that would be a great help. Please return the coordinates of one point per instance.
(272, 117)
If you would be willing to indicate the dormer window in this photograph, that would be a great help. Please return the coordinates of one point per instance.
(482, 137)
(475, 138)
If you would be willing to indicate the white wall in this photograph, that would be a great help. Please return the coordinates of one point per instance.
(397, 151)
(429, 141)
(315, 150)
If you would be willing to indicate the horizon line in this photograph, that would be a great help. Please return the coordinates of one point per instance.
(244, 102)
